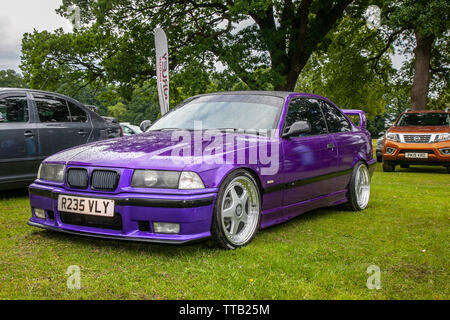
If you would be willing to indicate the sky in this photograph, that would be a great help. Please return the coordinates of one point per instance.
(20, 16)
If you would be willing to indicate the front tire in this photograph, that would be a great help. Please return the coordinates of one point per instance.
(448, 169)
(237, 211)
(359, 190)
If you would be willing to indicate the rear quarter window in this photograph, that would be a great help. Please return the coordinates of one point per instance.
(336, 121)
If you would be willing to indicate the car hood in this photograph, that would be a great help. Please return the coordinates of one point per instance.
(150, 150)
(420, 129)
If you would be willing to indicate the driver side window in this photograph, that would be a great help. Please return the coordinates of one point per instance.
(306, 110)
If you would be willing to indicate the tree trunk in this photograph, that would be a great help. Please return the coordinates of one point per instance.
(291, 76)
(420, 87)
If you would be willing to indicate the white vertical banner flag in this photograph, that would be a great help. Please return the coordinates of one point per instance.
(162, 69)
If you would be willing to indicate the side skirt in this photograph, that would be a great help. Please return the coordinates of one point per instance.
(279, 215)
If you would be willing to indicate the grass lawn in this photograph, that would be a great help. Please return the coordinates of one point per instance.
(323, 254)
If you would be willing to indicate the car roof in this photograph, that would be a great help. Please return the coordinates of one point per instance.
(281, 94)
(3, 89)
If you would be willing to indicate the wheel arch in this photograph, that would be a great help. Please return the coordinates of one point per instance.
(252, 172)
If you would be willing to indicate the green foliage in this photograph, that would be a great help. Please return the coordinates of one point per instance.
(264, 43)
(11, 79)
(258, 44)
(346, 72)
(118, 111)
(429, 18)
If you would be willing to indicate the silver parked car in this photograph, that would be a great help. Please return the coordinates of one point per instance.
(36, 124)
(129, 129)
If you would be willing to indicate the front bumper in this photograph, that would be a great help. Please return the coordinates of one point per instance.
(435, 157)
(134, 215)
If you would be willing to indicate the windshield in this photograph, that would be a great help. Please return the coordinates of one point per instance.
(424, 119)
(240, 112)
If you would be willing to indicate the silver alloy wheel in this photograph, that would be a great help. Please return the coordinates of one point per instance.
(240, 210)
(362, 186)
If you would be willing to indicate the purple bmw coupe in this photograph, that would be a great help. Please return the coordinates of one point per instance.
(220, 165)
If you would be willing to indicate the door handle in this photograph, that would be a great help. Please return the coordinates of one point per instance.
(81, 133)
(28, 134)
(330, 146)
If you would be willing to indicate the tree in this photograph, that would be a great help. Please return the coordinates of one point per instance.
(429, 21)
(11, 79)
(275, 38)
(347, 72)
(118, 111)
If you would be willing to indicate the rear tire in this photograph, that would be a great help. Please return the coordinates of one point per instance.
(237, 211)
(379, 159)
(388, 168)
(359, 189)
(448, 169)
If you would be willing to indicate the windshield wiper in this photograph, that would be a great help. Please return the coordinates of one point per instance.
(249, 131)
(166, 129)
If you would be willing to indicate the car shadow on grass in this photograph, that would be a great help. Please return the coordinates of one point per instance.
(422, 169)
(172, 250)
(130, 246)
(15, 193)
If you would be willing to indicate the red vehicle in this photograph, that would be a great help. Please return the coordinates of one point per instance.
(418, 138)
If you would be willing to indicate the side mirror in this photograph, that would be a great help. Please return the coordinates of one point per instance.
(145, 125)
(381, 134)
(297, 128)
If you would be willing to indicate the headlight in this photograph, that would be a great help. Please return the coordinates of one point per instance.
(52, 172)
(393, 137)
(442, 137)
(390, 150)
(166, 180)
(155, 179)
(190, 180)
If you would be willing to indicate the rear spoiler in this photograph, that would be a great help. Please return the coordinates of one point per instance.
(361, 114)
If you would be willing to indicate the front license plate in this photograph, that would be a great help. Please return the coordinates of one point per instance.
(417, 155)
(89, 206)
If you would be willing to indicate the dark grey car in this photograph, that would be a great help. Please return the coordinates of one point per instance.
(36, 124)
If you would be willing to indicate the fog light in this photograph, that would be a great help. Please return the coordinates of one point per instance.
(390, 150)
(167, 228)
(445, 151)
(40, 213)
